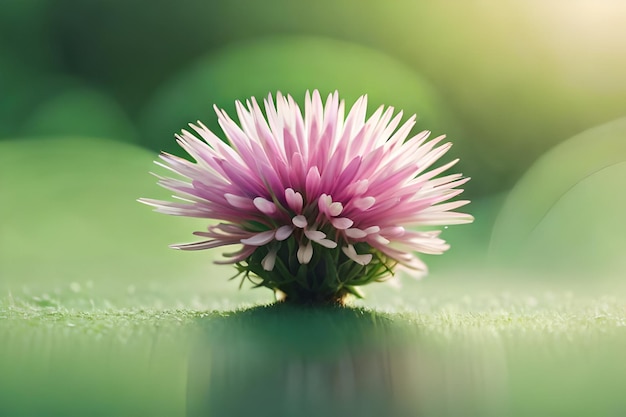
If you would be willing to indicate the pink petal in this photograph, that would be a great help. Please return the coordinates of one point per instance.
(314, 234)
(324, 202)
(335, 209)
(294, 200)
(364, 203)
(299, 221)
(393, 231)
(238, 202)
(342, 223)
(312, 182)
(378, 239)
(372, 229)
(283, 232)
(260, 239)
(265, 206)
(355, 233)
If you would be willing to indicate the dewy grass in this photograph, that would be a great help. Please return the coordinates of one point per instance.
(478, 354)
(551, 312)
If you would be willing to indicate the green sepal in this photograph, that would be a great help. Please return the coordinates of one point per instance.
(328, 275)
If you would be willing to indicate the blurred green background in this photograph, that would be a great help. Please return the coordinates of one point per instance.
(532, 94)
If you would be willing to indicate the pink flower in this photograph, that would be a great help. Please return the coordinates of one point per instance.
(318, 203)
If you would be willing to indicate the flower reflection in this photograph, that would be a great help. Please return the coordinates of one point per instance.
(288, 361)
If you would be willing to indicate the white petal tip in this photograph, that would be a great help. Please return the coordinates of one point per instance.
(299, 221)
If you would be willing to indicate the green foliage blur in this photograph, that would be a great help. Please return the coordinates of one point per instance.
(518, 77)
(507, 82)
(94, 307)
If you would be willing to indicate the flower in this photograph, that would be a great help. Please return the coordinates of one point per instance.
(318, 203)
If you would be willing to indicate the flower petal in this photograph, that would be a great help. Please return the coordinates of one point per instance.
(238, 201)
(294, 200)
(265, 206)
(355, 233)
(342, 223)
(328, 207)
(299, 221)
(372, 229)
(283, 232)
(378, 239)
(359, 259)
(364, 203)
(335, 209)
(314, 234)
(260, 239)
(269, 260)
(312, 182)
(327, 243)
(324, 202)
(305, 253)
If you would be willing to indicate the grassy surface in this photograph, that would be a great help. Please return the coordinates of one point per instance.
(445, 351)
